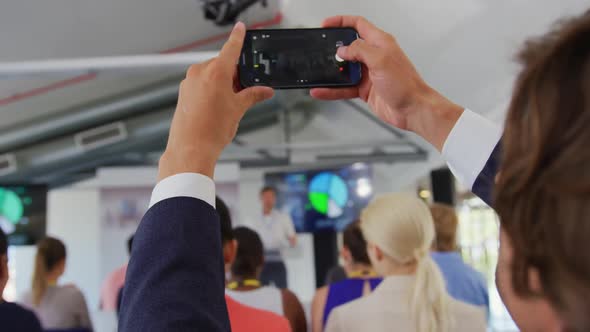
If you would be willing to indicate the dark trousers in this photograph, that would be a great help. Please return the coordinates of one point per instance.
(274, 273)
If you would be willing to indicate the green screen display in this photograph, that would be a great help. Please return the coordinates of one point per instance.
(23, 213)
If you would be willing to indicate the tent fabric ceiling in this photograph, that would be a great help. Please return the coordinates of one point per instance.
(463, 47)
(62, 29)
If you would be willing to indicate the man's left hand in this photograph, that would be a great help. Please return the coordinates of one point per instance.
(210, 107)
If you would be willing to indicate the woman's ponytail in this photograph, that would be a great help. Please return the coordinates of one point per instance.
(402, 227)
(39, 285)
(429, 301)
(50, 252)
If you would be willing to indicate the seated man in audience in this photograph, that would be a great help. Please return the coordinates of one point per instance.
(360, 279)
(13, 317)
(463, 282)
(246, 285)
(244, 318)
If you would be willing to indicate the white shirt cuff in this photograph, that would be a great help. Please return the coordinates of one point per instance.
(470, 145)
(185, 185)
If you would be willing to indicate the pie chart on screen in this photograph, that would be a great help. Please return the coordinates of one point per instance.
(328, 194)
(11, 206)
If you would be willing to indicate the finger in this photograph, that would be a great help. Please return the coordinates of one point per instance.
(365, 28)
(361, 51)
(254, 95)
(236, 81)
(334, 94)
(179, 106)
(230, 53)
(183, 103)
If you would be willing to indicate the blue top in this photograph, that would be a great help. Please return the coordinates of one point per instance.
(15, 318)
(464, 283)
(345, 291)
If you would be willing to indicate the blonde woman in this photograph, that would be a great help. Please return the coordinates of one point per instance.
(399, 232)
(58, 307)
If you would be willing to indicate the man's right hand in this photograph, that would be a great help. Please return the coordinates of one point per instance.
(391, 85)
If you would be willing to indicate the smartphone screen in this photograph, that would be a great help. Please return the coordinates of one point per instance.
(297, 58)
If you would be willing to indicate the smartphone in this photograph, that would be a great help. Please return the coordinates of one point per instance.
(297, 58)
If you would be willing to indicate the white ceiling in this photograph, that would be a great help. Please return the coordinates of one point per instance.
(31, 29)
(464, 48)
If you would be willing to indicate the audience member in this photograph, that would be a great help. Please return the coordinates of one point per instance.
(245, 285)
(399, 231)
(542, 191)
(58, 307)
(361, 278)
(13, 317)
(463, 282)
(244, 318)
(111, 287)
(277, 232)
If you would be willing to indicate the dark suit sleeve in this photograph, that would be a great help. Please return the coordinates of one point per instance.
(485, 181)
(33, 323)
(175, 278)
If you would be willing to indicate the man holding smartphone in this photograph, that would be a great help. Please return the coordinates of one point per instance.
(175, 279)
(542, 191)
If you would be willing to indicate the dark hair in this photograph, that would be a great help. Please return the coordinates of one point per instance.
(50, 252)
(227, 234)
(445, 224)
(130, 244)
(353, 239)
(268, 188)
(3, 243)
(250, 254)
(543, 191)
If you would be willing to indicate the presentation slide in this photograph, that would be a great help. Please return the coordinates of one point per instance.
(23, 213)
(323, 199)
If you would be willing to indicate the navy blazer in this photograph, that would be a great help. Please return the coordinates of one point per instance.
(175, 279)
(15, 318)
(485, 181)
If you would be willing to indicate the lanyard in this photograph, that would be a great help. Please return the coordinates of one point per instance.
(244, 283)
(362, 273)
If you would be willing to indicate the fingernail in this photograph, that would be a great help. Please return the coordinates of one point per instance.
(342, 50)
(238, 25)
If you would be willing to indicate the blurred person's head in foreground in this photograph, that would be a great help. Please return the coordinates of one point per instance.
(543, 188)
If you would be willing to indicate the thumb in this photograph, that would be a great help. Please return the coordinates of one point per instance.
(254, 95)
(360, 51)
